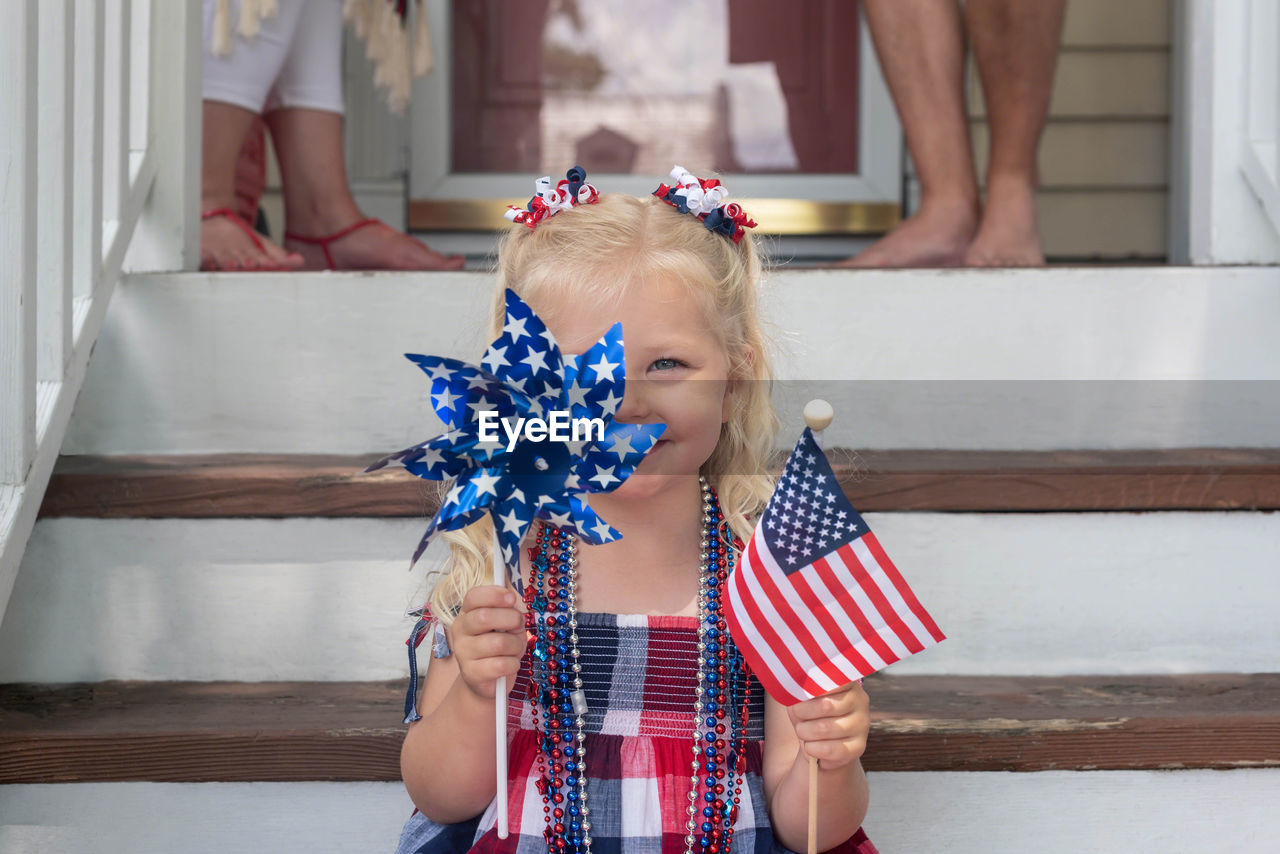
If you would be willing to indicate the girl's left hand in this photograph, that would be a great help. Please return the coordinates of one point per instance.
(833, 727)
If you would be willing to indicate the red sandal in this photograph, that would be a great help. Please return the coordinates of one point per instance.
(323, 242)
(250, 233)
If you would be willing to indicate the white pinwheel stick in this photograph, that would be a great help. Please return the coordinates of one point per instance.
(818, 414)
(500, 707)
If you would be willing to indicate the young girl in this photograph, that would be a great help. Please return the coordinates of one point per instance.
(678, 748)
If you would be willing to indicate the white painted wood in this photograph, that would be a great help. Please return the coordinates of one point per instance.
(118, 234)
(1051, 812)
(324, 599)
(18, 327)
(1058, 358)
(18, 68)
(1261, 160)
(54, 201)
(430, 159)
(215, 818)
(88, 147)
(1179, 223)
(33, 429)
(1223, 220)
(117, 84)
(1069, 812)
(43, 839)
(167, 234)
(247, 600)
(139, 84)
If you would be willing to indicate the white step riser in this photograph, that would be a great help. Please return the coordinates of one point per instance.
(294, 363)
(1052, 812)
(314, 599)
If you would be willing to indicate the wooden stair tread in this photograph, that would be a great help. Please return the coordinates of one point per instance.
(327, 485)
(345, 731)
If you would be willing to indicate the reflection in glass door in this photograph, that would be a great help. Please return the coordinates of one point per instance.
(783, 100)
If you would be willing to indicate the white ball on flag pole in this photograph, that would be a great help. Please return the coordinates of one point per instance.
(818, 414)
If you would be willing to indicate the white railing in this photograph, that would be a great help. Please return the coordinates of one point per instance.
(99, 116)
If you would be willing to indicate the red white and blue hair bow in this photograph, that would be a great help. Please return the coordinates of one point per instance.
(524, 375)
(705, 199)
(570, 191)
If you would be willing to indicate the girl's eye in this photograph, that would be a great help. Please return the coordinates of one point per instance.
(666, 364)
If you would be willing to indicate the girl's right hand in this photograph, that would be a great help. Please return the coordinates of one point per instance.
(489, 638)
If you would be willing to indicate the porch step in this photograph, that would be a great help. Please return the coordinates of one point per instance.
(195, 486)
(323, 599)
(350, 731)
(1102, 358)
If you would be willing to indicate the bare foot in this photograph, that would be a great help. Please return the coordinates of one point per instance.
(375, 246)
(229, 244)
(934, 236)
(1008, 236)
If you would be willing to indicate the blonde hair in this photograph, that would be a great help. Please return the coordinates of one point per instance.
(580, 252)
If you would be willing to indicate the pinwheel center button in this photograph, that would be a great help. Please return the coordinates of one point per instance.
(539, 468)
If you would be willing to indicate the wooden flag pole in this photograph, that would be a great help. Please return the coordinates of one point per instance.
(500, 708)
(818, 414)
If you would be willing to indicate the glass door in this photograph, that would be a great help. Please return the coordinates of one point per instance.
(783, 100)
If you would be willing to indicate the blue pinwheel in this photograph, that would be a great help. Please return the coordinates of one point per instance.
(523, 375)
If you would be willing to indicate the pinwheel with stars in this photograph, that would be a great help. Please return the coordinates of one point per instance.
(523, 375)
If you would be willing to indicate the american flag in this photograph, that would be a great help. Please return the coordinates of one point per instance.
(816, 603)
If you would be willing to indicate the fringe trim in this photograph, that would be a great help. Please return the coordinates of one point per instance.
(221, 43)
(424, 58)
(387, 45)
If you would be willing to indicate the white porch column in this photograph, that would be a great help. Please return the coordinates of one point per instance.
(167, 236)
(1225, 199)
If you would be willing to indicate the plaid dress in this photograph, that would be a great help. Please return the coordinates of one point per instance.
(639, 675)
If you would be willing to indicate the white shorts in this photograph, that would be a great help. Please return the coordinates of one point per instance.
(294, 61)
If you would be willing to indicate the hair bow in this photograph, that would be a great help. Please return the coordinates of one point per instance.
(570, 191)
(705, 199)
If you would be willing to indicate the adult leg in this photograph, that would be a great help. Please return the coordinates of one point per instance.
(920, 44)
(307, 131)
(235, 87)
(1015, 44)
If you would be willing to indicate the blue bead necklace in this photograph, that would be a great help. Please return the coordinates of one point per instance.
(722, 695)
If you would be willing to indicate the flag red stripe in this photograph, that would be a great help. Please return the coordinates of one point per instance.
(794, 624)
(877, 597)
(854, 610)
(758, 621)
(744, 632)
(842, 641)
(900, 584)
(758, 666)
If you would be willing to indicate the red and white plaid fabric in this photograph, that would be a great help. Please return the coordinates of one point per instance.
(639, 674)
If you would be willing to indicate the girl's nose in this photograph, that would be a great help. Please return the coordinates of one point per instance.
(634, 408)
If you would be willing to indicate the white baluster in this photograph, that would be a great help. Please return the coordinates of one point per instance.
(17, 241)
(88, 147)
(167, 235)
(140, 40)
(54, 175)
(115, 164)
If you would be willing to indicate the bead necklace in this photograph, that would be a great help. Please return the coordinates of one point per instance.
(719, 736)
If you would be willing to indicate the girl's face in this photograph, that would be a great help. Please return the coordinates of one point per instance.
(677, 374)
